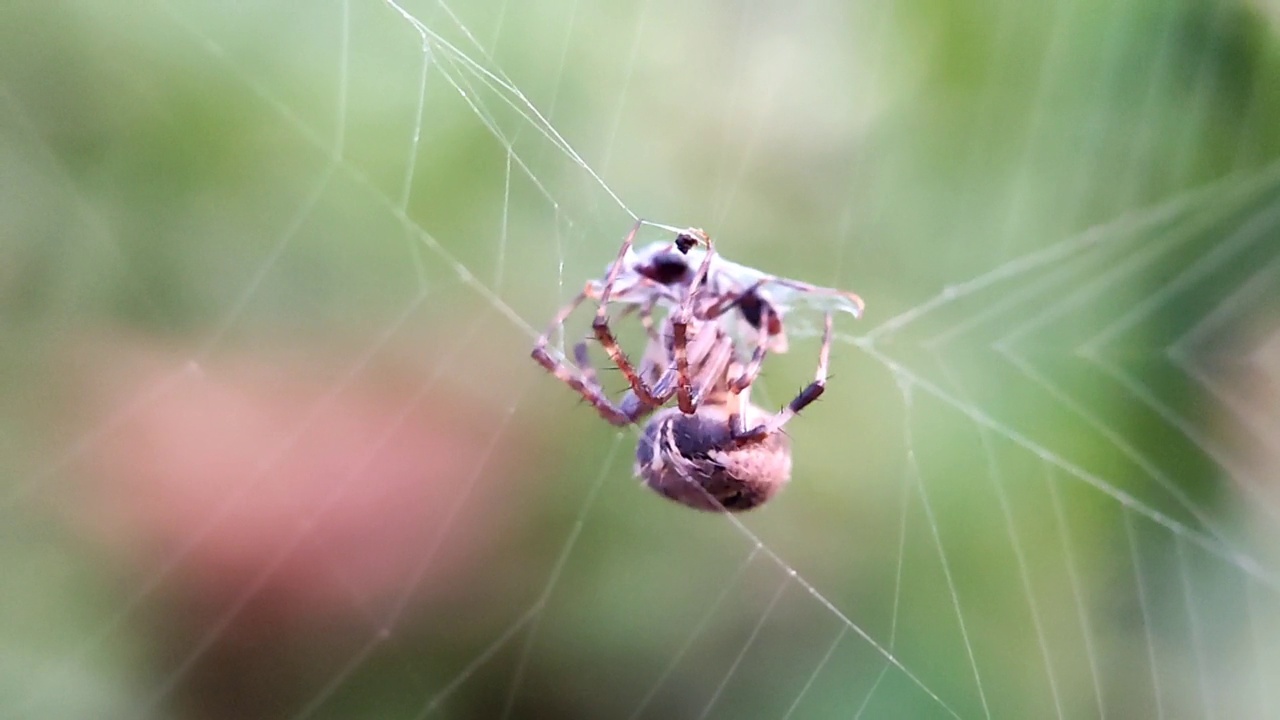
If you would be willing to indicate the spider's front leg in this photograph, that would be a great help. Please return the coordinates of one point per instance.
(604, 334)
(684, 314)
(582, 379)
(585, 385)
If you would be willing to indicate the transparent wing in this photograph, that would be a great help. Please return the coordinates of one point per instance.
(784, 293)
(724, 276)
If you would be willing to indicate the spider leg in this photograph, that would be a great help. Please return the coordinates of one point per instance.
(605, 336)
(680, 329)
(752, 370)
(583, 379)
(612, 276)
(728, 302)
(585, 384)
(712, 368)
(644, 311)
(697, 354)
(540, 353)
(646, 319)
(679, 343)
(583, 361)
(731, 300)
(810, 393)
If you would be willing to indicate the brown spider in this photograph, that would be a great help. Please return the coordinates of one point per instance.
(714, 450)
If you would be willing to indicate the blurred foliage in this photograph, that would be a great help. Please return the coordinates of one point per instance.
(237, 237)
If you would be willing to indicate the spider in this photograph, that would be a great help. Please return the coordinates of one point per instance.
(715, 450)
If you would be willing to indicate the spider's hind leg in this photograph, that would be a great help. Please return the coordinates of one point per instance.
(810, 393)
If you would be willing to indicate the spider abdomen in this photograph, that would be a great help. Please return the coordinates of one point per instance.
(693, 460)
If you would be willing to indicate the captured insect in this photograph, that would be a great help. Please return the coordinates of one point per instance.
(660, 273)
(714, 450)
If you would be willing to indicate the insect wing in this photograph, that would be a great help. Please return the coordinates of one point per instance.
(784, 293)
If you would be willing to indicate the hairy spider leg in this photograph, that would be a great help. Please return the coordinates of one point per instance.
(540, 345)
(582, 380)
(583, 360)
(810, 393)
(704, 340)
(590, 391)
(680, 328)
(712, 368)
(604, 335)
(711, 358)
(752, 369)
(646, 320)
(730, 301)
(644, 311)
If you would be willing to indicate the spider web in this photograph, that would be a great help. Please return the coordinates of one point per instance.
(274, 446)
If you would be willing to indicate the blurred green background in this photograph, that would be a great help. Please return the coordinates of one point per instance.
(271, 445)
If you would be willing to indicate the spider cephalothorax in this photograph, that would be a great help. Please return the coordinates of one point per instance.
(714, 450)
